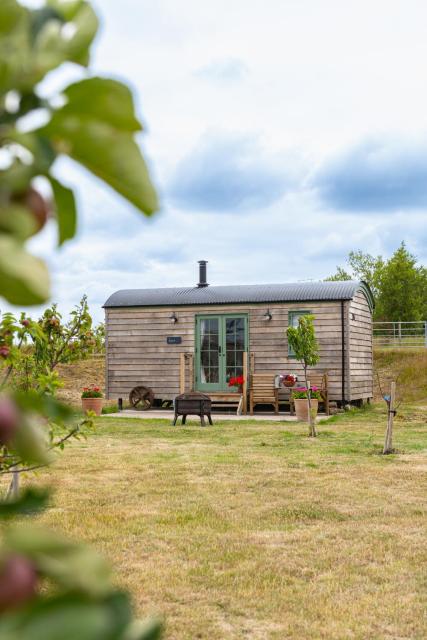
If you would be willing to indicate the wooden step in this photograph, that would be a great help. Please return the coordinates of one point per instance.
(232, 398)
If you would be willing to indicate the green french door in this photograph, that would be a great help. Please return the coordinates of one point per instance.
(221, 341)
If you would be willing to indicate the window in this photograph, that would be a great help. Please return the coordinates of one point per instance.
(293, 318)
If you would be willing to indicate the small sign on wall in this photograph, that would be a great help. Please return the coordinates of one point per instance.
(174, 340)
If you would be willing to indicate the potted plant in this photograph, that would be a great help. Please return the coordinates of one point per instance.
(302, 340)
(92, 399)
(237, 382)
(288, 379)
(300, 397)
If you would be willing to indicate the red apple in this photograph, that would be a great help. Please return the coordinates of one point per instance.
(38, 206)
(4, 351)
(9, 420)
(18, 582)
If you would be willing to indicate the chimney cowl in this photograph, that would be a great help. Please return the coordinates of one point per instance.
(202, 274)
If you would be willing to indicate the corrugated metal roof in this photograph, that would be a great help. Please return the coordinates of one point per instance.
(238, 294)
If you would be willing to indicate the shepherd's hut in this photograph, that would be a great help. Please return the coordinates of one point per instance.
(197, 337)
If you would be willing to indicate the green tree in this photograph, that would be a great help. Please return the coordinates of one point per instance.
(340, 275)
(402, 294)
(303, 342)
(364, 267)
(399, 284)
(31, 351)
(367, 268)
(61, 342)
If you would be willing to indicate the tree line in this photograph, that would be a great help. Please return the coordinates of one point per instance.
(399, 284)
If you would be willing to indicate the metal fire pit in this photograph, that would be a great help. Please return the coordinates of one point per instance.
(194, 404)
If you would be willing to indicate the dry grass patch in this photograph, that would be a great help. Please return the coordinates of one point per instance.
(253, 530)
(408, 367)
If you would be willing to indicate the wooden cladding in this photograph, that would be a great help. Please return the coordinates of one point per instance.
(138, 353)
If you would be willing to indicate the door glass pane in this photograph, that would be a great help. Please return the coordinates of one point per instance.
(209, 343)
(235, 345)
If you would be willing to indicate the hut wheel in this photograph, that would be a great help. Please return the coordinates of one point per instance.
(141, 398)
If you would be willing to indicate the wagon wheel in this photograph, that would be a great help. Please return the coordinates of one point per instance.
(142, 397)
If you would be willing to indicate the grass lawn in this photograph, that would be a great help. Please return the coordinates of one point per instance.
(253, 530)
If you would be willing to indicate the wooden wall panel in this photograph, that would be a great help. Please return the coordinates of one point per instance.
(361, 350)
(137, 352)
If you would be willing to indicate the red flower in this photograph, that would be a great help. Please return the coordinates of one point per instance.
(237, 381)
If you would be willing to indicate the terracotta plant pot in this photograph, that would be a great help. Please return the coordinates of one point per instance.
(92, 404)
(301, 408)
(288, 383)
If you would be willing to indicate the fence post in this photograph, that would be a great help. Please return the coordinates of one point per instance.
(388, 442)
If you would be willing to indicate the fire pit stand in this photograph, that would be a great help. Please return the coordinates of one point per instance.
(196, 404)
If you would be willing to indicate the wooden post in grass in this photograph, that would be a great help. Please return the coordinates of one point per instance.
(245, 383)
(182, 373)
(388, 441)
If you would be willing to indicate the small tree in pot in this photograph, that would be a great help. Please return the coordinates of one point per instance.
(303, 342)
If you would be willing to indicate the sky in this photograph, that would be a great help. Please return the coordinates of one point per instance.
(280, 135)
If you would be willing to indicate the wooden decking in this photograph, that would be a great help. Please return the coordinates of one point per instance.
(229, 399)
(224, 397)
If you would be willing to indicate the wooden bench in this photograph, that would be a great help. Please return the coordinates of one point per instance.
(263, 391)
(317, 379)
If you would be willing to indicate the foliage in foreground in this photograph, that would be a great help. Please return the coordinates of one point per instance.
(51, 588)
(92, 121)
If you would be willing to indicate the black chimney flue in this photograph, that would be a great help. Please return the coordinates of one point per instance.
(202, 274)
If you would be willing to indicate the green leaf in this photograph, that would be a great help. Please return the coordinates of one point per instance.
(30, 501)
(43, 404)
(53, 46)
(67, 8)
(70, 565)
(39, 19)
(65, 209)
(30, 442)
(10, 14)
(103, 100)
(69, 617)
(96, 128)
(15, 53)
(86, 24)
(40, 147)
(144, 630)
(18, 220)
(16, 178)
(35, 42)
(24, 279)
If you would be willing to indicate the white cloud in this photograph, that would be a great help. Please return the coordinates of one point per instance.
(310, 79)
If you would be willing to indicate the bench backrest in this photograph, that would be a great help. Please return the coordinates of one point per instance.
(317, 379)
(263, 383)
